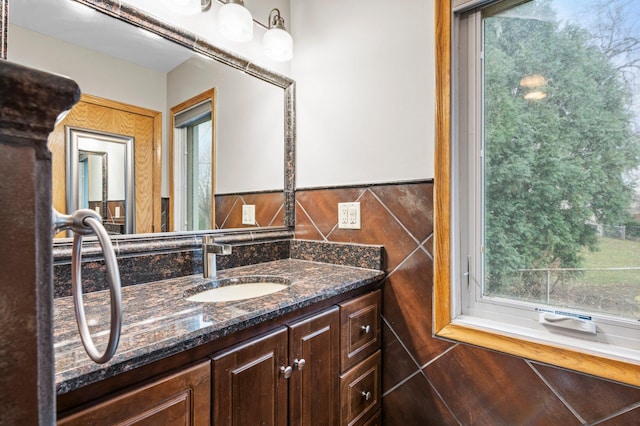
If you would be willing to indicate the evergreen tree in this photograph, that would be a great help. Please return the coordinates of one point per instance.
(552, 165)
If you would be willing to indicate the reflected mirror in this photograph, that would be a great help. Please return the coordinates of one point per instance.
(117, 63)
(100, 177)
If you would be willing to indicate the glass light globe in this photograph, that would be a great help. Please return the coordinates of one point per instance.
(278, 45)
(235, 22)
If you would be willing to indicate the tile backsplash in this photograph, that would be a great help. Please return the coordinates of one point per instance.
(269, 209)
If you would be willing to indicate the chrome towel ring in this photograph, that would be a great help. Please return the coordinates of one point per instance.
(88, 222)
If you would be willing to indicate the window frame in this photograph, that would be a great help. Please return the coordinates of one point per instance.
(177, 164)
(445, 263)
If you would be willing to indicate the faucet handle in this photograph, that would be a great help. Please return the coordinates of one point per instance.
(210, 245)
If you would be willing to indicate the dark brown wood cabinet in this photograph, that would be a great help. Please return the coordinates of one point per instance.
(322, 369)
(360, 389)
(360, 328)
(328, 373)
(182, 398)
(313, 390)
(360, 360)
(248, 386)
(286, 377)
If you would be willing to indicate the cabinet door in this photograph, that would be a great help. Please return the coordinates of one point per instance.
(248, 386)
(181, 399)
(314, 387)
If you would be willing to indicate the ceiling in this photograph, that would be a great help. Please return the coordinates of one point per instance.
(80, 25)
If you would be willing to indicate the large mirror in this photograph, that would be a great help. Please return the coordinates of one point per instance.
(127, 71)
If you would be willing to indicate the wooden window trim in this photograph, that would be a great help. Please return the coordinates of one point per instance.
(443, 326)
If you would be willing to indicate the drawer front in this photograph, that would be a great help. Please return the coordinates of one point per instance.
(359, 329)
(376, 420)
(360, 390)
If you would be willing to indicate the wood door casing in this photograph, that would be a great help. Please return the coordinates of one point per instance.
(248, 387)
(314, 389)
(144, 125)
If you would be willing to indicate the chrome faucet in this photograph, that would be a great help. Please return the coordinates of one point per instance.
(209, 250)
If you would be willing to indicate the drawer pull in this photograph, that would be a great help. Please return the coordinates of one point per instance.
(366, 396)
(366, 329)
(299, 363)
(286, 371)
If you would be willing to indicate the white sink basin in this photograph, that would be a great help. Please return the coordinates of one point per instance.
(237, 289)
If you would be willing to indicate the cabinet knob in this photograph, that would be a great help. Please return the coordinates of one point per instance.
(366, 329)
(299, 363)
(286, 371)
(366, 395)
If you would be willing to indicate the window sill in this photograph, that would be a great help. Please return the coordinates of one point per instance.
(621, 370)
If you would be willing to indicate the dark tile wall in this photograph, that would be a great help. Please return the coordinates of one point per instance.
(269, 209)
(428, 381)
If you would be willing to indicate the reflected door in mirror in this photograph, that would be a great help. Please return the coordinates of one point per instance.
(106, 116)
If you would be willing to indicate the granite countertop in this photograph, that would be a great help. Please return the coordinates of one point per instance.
(159, 322)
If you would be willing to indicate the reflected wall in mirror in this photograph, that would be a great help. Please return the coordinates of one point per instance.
(114, 60)
(100, 177)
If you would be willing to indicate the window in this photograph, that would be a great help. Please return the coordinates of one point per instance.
(545, 150)
(193, 166)
(198, 182)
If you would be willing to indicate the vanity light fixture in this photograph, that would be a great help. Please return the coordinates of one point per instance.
(277, 42)
(205, 5)
(235, 21)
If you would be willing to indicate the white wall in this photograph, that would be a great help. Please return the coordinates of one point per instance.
(249, 148)
(365, 90)
(96, 74)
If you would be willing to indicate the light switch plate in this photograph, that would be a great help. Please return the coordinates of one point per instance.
(349, 215)
(248, 214)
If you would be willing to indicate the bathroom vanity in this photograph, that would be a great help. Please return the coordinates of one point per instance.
(307, 354)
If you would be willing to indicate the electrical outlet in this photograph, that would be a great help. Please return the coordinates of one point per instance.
(349, 215)
(248, 214)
